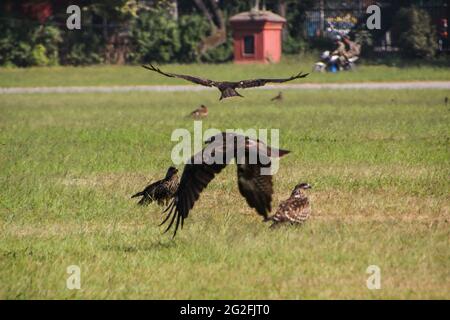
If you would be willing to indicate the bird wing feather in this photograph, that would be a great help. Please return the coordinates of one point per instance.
(261, 82)
(196, 176)
(197, 80)
(256, 188)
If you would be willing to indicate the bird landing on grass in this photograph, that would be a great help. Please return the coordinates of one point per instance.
(160, 191)
(296, 209)
(200, 170)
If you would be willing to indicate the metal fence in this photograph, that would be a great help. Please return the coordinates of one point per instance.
(342, 16)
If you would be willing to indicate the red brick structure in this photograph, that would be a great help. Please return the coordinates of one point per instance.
(257, 36)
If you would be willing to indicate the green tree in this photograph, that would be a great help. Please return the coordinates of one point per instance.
(414, 33)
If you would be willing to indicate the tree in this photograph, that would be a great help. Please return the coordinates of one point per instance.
(215, 18)
(414, 33)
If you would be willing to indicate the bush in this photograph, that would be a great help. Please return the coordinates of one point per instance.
(83, 48)
(222, 53)
(414, 33)
(46, 41)
(15, 48)
(292, 45)
(155, 37)
(26, 45)
(39, 54)
(192, 29)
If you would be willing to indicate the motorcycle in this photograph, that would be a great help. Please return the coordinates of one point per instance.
(332, 63)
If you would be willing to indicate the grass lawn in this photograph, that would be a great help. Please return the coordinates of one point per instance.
(379, 162)
(136, 75)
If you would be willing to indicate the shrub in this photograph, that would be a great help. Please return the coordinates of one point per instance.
(222, 53)
(292, 45)
(155, 37)
(192, 29)
(39, 55)
(414, 33)
(25, 44)
(47, 40)
(15, 47)
(83, 48)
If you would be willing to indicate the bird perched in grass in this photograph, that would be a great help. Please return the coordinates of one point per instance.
(296, 209)
(199, 112)
(227, 88)
(254, 183)
(160, 191)
(446, 100)
(278, 97)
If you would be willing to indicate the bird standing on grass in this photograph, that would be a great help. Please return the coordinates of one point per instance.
(227, 88)
(255, 185)
(296, 209)
(160, 191)
(278, 97)
(199, 112)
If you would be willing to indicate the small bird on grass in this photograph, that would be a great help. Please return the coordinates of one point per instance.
(199, 112)
(278, 97)
(160, 191)
(446, 100)
(294, 210)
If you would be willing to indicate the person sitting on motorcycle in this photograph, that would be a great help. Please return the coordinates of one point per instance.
(340, 47)
(354, 49)
(340, 50)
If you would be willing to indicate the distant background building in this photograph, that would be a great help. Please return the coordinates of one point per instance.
(257, 36)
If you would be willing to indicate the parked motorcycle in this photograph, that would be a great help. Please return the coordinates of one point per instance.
(332, 63)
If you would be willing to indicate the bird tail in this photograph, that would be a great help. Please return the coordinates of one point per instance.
(229, 92)
(137, 194)
(277, 152)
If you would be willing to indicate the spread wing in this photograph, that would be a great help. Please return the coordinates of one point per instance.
(196, 176)
(201, 81)
(256, 188)
(261, 82)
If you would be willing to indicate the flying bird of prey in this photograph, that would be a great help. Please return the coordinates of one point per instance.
(160, 191)
(251, 156)
(278, 97)
(227, 88)
(296, 209)
(199, 112)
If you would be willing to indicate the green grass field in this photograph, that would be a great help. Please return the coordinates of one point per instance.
(136, 75)
(379, 162)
